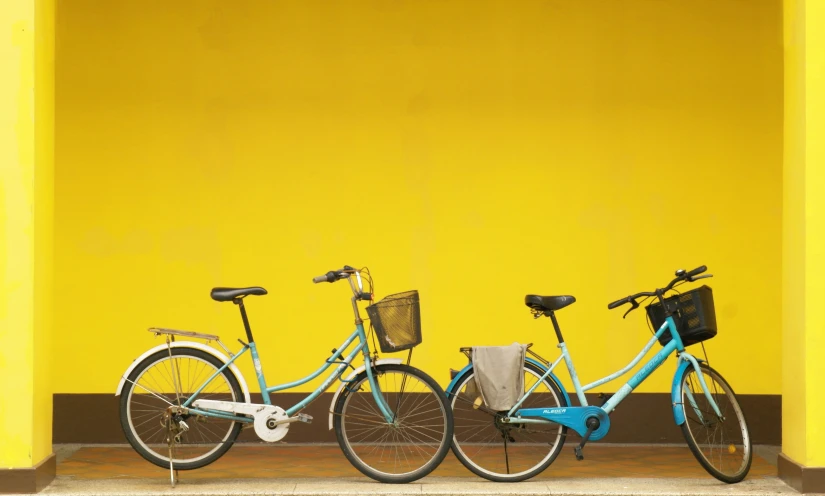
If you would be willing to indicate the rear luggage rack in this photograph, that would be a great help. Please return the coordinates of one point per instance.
(171, 333)
(468, 351)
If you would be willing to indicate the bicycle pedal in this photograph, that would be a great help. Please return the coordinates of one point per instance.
(303, 417)
(579, 455)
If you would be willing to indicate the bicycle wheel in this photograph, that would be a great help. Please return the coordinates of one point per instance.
(161, 381)
(721, 444)
(505, 452)
(407, 449)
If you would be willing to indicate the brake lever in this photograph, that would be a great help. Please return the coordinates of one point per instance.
(696, 278)
(633, 307)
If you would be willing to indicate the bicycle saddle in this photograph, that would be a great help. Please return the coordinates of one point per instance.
(548, 303)
(229, 294)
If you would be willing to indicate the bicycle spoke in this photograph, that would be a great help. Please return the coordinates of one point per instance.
(718, 439)
(183, 374)
(504, 451)
(405, 445)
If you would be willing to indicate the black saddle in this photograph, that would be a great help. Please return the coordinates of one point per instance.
(548, 303)
(229, 294)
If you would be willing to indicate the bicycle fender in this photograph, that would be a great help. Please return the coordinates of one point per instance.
(358, 370)
(676, 392)
(187, 344)
(459, 376)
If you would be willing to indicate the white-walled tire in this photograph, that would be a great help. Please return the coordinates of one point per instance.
(160, 381)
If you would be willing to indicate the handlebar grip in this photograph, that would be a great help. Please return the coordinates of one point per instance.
(617, 303)
(697, 271)
(328, 277)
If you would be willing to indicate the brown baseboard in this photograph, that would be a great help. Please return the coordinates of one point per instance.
(28, 480)
(803, 479)
(641, 418)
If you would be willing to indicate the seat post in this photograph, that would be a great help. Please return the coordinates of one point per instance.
(556, 326)
(239, 302)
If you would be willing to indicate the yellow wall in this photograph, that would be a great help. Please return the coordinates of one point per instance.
(804, 233)
(476, 151)
(26, 224)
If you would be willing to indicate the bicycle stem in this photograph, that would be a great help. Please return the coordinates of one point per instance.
(355, 296)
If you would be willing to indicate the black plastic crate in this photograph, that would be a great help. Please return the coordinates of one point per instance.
(693, 312)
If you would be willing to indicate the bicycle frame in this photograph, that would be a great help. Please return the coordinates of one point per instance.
(336, 358)
(575, 417)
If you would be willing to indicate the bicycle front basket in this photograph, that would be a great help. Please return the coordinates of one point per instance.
(694, 315)
(397, 321)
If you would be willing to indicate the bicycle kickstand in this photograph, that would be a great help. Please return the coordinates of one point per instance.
(173, 474)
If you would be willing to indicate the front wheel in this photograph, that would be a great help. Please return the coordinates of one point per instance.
(721, 444)
(410, 447)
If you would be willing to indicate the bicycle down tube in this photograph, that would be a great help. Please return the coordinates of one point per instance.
(336, 358)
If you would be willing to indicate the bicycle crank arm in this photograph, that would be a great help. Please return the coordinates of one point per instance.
(301, 417)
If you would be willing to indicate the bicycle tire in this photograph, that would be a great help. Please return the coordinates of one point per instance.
(128, 426)
(486, 473)
(347, 401)
(693, 444)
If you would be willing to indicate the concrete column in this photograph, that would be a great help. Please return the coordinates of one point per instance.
(802, 462)
(26, 226)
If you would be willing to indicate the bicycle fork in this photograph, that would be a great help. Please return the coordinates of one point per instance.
(695, 364)
(377, 395)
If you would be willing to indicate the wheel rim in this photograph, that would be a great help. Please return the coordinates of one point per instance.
(724, 443)
(479, 437)
(171, 381)
(417, 436)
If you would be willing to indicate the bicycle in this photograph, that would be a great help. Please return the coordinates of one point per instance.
(515, 445)
(183, 403)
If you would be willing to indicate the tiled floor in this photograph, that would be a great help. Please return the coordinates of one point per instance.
(310, 461)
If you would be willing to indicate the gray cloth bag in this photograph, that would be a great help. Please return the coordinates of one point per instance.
(499, 374)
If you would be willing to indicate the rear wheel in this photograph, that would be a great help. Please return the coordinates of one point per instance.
(722, 445)
(505, 452)
(162, 381)
(410, 447)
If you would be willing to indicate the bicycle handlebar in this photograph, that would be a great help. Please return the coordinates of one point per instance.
(621, 302)
(335, 275)
(681, 275)
(628, 299)
(355, 283)
(617, 303)
(328, 277)
(697, 271)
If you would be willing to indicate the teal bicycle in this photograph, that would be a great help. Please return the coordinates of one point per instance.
(183, 403)
(515, 445)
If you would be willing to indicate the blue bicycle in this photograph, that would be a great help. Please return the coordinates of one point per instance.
(183, 403)
(515, 445)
